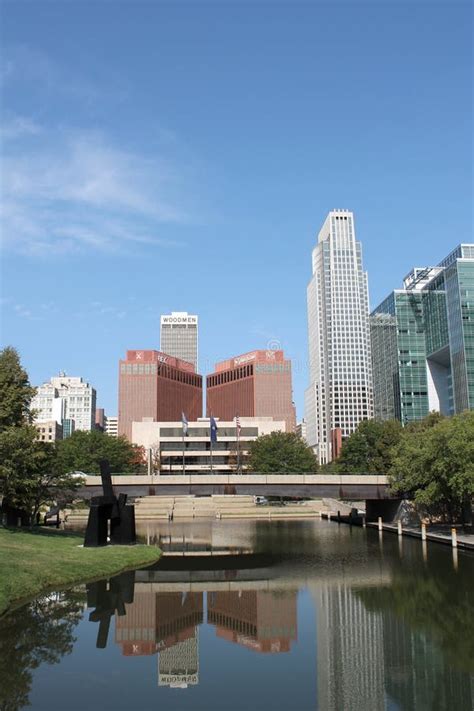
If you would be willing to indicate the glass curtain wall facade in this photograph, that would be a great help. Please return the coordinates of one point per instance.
(339, 396)
(399, 358)
(423, 342)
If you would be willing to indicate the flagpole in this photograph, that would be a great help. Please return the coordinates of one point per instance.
(238, 454)
(211, 456)
(182, 437)
(210, 433)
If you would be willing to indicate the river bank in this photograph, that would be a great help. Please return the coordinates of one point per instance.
(32, 562)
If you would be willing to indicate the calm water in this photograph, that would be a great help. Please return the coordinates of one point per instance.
(309, 615)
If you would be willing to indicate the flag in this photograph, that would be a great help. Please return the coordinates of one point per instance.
(237, 425)
(184, 422)
(213, 429)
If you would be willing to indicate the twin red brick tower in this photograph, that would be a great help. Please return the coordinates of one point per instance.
(160, 387)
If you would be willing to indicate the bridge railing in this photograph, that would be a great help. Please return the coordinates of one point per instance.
(291, 479)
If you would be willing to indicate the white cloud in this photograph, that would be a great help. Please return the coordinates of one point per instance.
(18, 126)
(76, 191)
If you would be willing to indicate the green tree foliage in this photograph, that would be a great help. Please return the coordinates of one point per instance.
(435, 465)
(38, 633)
(30, 475)
(84, 450)
(368, 449)
(15, 391)
(281, 452)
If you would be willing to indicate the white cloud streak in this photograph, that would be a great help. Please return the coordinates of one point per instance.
(77, 192)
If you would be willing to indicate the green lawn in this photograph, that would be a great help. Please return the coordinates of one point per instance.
(33, 562)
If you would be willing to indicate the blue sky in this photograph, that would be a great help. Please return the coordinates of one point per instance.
(166, 156)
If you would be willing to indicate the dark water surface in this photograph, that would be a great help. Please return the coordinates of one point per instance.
(282, 615)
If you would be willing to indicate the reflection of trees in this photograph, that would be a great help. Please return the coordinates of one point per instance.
(439, 606)
(40, 632)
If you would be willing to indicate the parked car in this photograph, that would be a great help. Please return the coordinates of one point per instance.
(260, 500)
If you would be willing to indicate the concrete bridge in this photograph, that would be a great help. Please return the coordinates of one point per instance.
(351, 487)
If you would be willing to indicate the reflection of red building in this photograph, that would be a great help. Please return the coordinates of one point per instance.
(136, 630)
(156, 386)
(177, 614)
(256, 384)
(157, 621)
(259, 620)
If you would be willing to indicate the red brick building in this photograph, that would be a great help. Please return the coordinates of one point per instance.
(256, 384)
(156, 386)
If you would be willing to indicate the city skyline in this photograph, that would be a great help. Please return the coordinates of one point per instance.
(130, 191)
(421, 277)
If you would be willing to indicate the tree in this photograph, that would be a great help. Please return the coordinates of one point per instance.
(437, 469)
(15, 391)
(82, 451)
(281, 452)
(368, 449)
(30, 475)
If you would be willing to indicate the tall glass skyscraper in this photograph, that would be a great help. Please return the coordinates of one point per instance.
(340, 392)
(423, 342)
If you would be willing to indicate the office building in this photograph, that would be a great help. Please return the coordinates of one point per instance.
(66, 398)
(229, 453)
(157, 387)
(49, 431)
(301, 429)
(111, 425)
(339, 395)
(423, 342)
(68, 428)
(179, 336)
(255, 384)
(100, 419)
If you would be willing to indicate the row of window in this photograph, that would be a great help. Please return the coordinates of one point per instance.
(205, 432)
(162, 370)
(229, 376)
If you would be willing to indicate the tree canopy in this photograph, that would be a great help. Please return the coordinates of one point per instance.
(16, 392)
(281, 452)
(368, 449)
(30, 473)
(436, 469)
(82, 451)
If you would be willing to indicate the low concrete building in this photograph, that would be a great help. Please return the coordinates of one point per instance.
(192, 454)
(49, 431)
(111, 425)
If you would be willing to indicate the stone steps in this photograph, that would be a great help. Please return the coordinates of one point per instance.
(149, 508)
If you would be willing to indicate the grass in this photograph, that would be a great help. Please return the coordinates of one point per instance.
(31, 562)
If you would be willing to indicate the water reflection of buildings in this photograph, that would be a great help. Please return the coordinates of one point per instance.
(165, 623)
(417, 675)
(366, 656)
(260, 620)
(350, 663)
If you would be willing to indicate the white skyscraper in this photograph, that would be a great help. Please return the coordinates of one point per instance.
(179, 336)
(66, 398)
(340, 392)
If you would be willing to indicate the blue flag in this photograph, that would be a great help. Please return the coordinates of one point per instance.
(213, 429)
